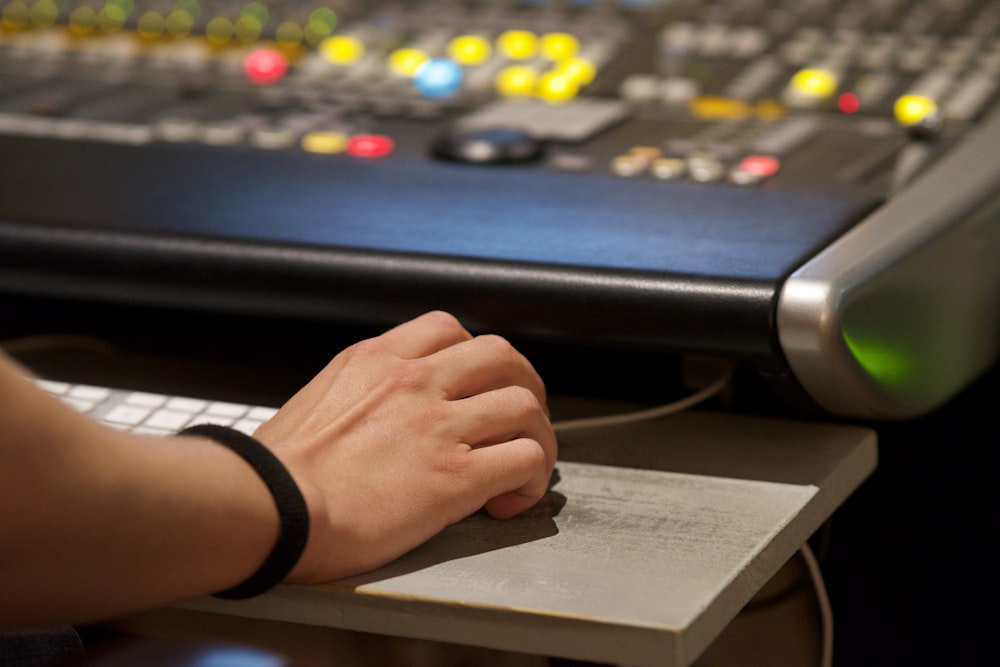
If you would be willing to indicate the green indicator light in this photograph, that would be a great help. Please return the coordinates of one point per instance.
(126, 7)
(111, 18)
(180, 23)
(248, 28)
(192, 7)
(15, 15)
(288, 33)
(323, 16)
(256, 10)
(44, 13)
(219, 30)
(82, 20)
(883, 361)
(151, 25)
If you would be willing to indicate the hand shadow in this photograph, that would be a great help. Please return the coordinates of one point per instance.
(476, 534)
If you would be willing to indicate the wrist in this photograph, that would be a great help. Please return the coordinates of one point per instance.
(293, 514)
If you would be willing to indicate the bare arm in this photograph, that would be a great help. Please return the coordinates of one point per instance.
(398, 437)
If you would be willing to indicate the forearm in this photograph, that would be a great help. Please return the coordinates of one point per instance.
(96, 522)
(397, 437)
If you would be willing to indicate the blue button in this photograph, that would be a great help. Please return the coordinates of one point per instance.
(438, 77)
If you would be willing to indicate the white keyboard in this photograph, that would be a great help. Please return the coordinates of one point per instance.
(145, 412)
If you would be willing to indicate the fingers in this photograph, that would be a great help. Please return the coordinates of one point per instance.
(514, 445)
(503, 415)
(483, 364)
(424, 335)
(516, 475)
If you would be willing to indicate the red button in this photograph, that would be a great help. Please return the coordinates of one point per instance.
(760, 165)
(849, 103)
(370, 145)
(265, 66)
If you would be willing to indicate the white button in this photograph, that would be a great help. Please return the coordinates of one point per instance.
(145, 399)
(89, 393)
(226, 409)
(186, 404)
(126, 414)
(261, 414)
(78, 404)
(170, 420)
(247, 426)
(53, 387)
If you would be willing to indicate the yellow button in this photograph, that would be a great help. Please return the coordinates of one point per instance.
(406, 62)
(559, 45)
(556, 87)
(326, 143)
(911, 109)
(516, 81)
(469, 50)
(815, 83)
(648, 152)
(518, 44)
(718, 107)
(342, 49)
(770, 110)
(580, 70)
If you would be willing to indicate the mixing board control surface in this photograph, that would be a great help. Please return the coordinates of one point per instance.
(622, 172)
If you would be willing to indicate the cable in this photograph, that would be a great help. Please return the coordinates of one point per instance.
(649, 413)
(44, 342)
(823, 601)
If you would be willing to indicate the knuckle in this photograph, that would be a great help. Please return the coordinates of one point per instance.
(523, 402)
(435, 416)
(497, 347)
(536, 457)
(458, 464)
(411, 375)
(445, 320)
(363, 350)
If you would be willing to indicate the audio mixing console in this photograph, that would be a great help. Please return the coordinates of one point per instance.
(807, 185)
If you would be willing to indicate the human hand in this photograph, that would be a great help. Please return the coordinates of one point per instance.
(404, 434)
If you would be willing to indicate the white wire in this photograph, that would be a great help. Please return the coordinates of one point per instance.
(823, 601)
(648, 413)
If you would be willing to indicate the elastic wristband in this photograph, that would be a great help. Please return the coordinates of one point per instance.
(292, 510)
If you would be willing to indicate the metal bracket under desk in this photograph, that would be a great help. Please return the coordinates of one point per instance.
(651, 540)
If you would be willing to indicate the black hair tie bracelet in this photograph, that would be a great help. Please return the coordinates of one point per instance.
(292, 510)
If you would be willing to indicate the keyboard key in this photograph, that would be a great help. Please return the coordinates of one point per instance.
(131, 415)
(191, 405)
(261, 414)
(54, 388)
(89, 393)
(146, 399)
(169, 420)
(78, 404)
(234, 410)
(247, 426)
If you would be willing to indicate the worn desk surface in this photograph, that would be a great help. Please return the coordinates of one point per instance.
(650, 541)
